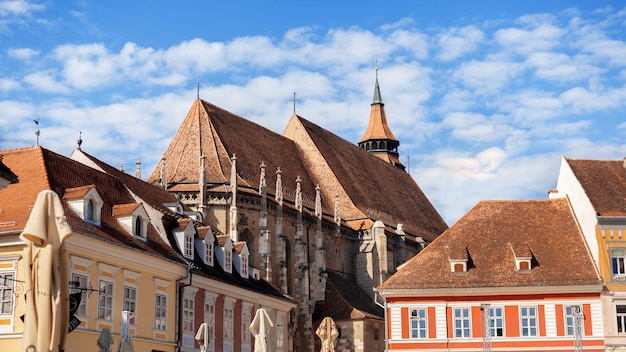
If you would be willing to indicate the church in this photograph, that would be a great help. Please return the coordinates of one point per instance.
(325, 220)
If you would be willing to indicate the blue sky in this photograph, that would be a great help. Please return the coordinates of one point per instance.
(485, 96)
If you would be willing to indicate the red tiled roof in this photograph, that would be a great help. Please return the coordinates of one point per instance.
(378, 128)
(124, 209)
(604, 182)
(345, 300)
(40, 169)
(489, 230)
(77, 192)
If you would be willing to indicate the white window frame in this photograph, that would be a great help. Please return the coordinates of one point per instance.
(246, 319)
(208, 253)
(209, 316)
(106, 299)
(528, 321)
(569, 316)
(80, 272)
(244, 265)
(228, 319)
(280, 330)
(8, 272)
(618, 263)
(228, 260)
(160, 314)
(188, 245)
(418, 323)
(462, 320)
(496, 321)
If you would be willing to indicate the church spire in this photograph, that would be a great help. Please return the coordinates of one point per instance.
(378, 138)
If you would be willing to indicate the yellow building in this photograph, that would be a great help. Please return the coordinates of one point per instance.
(132, 249)
(596, 190)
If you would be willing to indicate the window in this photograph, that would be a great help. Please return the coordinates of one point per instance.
(573, 315)
(496, 321)
(244, 266)
(137, 228)
(89, 210)
(209, 315)
(130, 302)
(245, 324)
(160, 309)
(280, 334)
(418, 323)
(188, 245)
(228, 260)
(462, 322)
(228, 323)
(188, 310)
(105, 300)
(529, 321)
(7, 281)
(208, 253)
(620, 313)
(83, 282)
(617, 263)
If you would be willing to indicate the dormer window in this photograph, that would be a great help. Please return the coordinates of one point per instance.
(208, 253)
(241, 258)
(224, 252)
(86, 202)
(133, 218)
(185, 234)
(523, 256)
(244, 266)
(205, 244)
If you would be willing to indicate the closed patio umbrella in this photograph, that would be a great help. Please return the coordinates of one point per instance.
(260, 328)
(203, 336)
(46, 271)
(327, 332)
(125, 343)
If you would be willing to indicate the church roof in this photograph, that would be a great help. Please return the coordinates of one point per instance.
(219, 134)
(368, 187)
(604, 182)
(490, 236)
(373, 189)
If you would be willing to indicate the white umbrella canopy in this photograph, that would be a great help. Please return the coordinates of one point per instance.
(260, 328)
(327, 332)
(46, 269)
(203, 336)
(125, 343)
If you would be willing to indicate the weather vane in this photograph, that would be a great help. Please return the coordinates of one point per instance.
(37, 133)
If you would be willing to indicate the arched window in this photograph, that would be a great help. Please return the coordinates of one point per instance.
(89, 210)
(383, 145)
(374, 145)
(137, 229)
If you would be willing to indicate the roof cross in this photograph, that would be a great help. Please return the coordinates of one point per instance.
(294, 102)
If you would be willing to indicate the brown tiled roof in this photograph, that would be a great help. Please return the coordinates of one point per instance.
(309, 152)
(604, 182)
(489, 229)
(378, 128)
(40, 169)
(154, 196)
(218, 134)
(125, 209)
(77, 192)
(372, 187)
(345, 300)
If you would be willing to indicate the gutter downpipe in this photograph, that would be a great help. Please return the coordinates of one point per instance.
(384, 307)
(179, 289)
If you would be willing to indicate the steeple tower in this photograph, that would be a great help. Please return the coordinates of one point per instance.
(378, 138)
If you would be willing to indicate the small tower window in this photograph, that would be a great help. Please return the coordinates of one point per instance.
(137, 229)
(89, 210)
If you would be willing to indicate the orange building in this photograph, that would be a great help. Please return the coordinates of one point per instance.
(508, 276)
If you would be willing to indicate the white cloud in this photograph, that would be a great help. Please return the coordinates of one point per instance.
(456, 42)
(486, 76)
(45, 82)
(22, 53)
(8, 85)
(18, 8)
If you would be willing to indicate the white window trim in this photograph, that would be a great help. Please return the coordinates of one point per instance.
(12, 261)
(210, 298)
(189, 293)
(158, 285)
(229, 304)
(468, 318)
(411, 309)
(86, 263)
(521, 325)
(495, 318)
(112, 270)
(246, 320)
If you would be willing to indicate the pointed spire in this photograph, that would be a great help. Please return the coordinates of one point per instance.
(279, 187)
(298, 194)
(378, 100)
(318, 202)
(137, 167)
